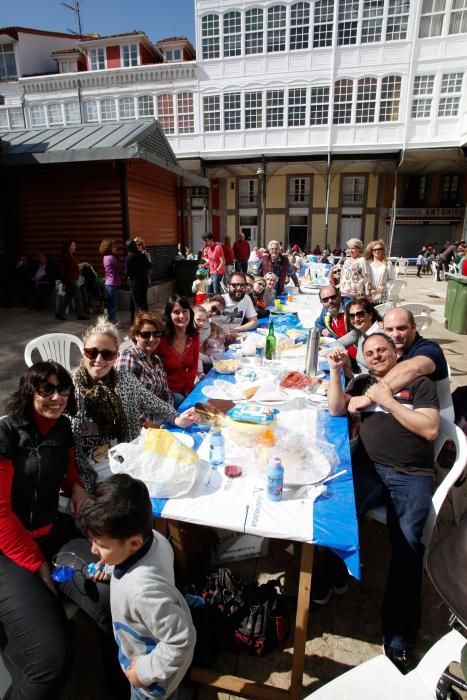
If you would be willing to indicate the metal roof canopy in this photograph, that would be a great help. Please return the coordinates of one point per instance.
(77, 144)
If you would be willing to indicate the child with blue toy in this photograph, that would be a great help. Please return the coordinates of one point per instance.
(152, 623)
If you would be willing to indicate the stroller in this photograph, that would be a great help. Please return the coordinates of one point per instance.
(92, 290)
(445, 565)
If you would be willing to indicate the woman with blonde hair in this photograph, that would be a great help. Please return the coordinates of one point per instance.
(355, 275)
(110, 404)
(381, 270)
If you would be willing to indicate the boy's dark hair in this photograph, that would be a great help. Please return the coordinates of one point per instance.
(118, 508)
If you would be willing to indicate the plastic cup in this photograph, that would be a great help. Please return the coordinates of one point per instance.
(277, 303)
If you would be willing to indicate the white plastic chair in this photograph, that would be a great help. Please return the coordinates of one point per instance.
(384, 308)
(423, 322)
(53, 346)
(417, 309)
(447, 431)
(395, 289)
(401, 265)
(379, 679)
(453, 268)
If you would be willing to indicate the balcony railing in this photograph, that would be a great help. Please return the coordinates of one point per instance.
(299, 200)
(352, 199)
(247, 200)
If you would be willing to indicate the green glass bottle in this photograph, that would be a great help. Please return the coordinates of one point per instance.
(270, 349)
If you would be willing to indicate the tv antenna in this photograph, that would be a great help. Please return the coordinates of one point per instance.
(73, 6)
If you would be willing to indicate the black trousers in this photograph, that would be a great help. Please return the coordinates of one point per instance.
(138, 299)
(34, 635)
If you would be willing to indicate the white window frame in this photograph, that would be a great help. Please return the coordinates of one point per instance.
(296, 107)
(372, 21)
(432, 18)
(185, 113)
(55, 116)
(275, 103)
(343, 101)
(232, 111)
(458, 18)
(423, 88)
(130, 59)
(40, 110)
(108, 115)
(75, 105)
(389, 103)
(319, 105)
(5, 50)
(211, 36)
(145, 107)
(450, 94)
(253, 110)
(87, 104)
(125, 101)
(166, 112)
(397, 20)
(367, 91)
(232, 33)
(299, 26)
(276, 34)
(211, 113)
(254, 31)
(347, 22)
(323, 22)
(95, 60)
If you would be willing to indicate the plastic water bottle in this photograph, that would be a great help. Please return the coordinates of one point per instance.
(216, 447)
(275, 479)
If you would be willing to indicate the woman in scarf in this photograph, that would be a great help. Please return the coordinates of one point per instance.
(110, 404)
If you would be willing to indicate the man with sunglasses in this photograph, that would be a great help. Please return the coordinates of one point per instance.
(331, 322)
(239, 314)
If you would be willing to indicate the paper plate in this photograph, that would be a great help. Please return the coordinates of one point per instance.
(213, 392)
(313, 474)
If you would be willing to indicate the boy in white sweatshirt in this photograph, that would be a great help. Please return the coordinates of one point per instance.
(152, 623)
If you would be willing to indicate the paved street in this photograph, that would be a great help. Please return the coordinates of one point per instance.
(341, 634)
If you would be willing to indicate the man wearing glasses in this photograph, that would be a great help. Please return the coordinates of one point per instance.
(274, 261)
(331, 321)
(239, 314)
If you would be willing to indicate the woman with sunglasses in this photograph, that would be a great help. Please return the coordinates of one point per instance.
(381, 270)
(37, 460)
(179, 347)
(110, 404)
(141, 359)
(360, 316)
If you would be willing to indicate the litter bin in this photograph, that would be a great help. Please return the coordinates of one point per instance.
(455, 309)
(185, 273)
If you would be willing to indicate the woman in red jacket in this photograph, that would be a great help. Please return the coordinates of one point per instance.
(179, 348)
(37, 459)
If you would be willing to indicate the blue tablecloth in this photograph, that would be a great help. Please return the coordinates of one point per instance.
(334, 518)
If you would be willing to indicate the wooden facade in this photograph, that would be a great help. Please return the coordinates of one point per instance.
(86, 202)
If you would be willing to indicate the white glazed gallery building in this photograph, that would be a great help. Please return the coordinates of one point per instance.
(314, 121)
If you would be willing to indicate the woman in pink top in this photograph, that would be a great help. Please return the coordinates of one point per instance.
(215, 256)
(113, 271)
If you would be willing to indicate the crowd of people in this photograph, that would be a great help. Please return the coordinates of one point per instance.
(59, 429)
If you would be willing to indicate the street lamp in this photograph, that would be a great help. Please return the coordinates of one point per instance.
(261, 175)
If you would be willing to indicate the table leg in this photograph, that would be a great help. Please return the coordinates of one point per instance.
(301, 621)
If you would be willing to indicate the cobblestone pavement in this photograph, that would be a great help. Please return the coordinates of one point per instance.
(341, 634)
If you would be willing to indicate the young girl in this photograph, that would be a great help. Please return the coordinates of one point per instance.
(211, 338)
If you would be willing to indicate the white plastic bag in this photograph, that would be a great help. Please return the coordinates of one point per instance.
(167, 466)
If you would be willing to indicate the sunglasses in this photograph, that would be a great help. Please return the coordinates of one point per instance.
(330, 298)
(48, 389)
(358, 314)
(93, 353)
(235, 285)
(150, 334)
(377, 250)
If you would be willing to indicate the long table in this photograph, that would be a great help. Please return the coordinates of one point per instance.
(334, 525)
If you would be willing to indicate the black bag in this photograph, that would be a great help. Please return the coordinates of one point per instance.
(250, 616)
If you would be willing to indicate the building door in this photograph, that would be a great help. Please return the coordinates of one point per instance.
(298, 234)
(197, 232)
(251, 234)
(351, 227)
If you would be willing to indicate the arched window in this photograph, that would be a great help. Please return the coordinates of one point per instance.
(232, 34)
(210, 40)
(299, 26)
(185, 115)
(277, 17)
(343, 91)
(108, 109)
(390, 98)
(126, 108)
(366, 101)
(146, 106)
(323, 22)
(165, 113)
(90, 113)
(37, 116)
(254, 23)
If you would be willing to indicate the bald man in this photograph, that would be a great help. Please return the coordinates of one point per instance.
(416, 357)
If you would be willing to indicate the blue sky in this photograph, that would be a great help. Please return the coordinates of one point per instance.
(158, 18)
